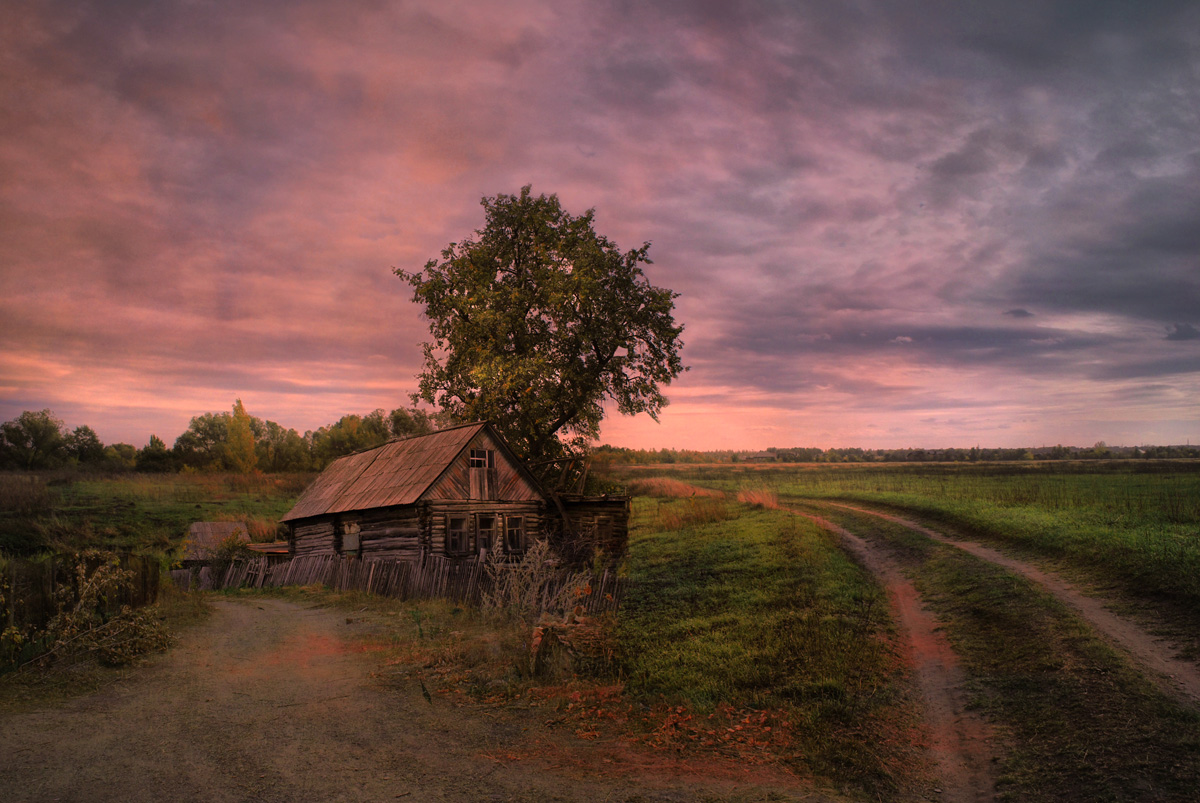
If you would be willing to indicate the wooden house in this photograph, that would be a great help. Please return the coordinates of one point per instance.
(454, 493)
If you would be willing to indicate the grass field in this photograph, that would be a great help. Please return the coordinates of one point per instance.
(760, 611)
(1131, 524)
(135, 512)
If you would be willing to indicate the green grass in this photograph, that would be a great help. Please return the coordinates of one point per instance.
(132, 512)
(1080, 722)
(1130, 524)
(763, 611)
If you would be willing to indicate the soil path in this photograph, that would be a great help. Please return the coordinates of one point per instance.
(1177, 677)
(960, 740)
(272, 701)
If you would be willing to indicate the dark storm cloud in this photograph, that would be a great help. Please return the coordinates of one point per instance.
(1183, 331)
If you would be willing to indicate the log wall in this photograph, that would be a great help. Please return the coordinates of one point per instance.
(603, 520)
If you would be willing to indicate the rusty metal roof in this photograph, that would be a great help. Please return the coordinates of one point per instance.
(396, 473)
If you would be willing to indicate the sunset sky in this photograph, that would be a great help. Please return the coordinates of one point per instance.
(891, 224)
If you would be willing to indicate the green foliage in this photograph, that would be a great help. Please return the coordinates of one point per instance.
(33, 440)
(155, 457)
(83, 445)
(120, 457)
(539, 320)
(202, 444)
(280, 449)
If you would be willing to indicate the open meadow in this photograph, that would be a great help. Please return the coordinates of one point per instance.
(800, 630)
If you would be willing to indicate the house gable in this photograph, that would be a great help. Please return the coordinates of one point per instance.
(485, 470)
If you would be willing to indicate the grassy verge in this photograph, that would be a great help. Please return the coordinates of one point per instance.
(1081, 724)
(761, 617)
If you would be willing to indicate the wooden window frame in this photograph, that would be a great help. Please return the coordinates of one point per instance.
(481, 474)
(491, 531)
(465, 547)
(519, 529)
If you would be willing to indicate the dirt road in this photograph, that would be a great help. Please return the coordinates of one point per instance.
(272, 701)
(1174, 675)
(960, 741)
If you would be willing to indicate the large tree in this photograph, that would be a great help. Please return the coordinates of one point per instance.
(538, 321)
(33, 440)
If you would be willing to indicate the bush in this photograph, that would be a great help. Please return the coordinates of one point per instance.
(85, 625)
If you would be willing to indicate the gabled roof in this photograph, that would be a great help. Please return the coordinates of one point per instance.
(396, 473)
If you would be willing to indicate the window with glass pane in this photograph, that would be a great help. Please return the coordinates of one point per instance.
(514, 534)
(486, 531)
(457, 541)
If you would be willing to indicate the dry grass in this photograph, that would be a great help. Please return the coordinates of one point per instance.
(683, 513)
(260, 529)
(760, 496)
(670, 488)
(24, 494)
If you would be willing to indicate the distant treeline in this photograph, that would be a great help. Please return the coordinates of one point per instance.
(616, 455)
(240, 442)
(227, 441)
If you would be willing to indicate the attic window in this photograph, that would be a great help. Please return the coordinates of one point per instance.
(482, 471)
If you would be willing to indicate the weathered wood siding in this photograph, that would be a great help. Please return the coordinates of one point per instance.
(393, 533)
(604, 520)
(312, 537)
(505, 482)
(436, 513)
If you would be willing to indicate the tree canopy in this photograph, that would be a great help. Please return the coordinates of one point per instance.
(538, 321)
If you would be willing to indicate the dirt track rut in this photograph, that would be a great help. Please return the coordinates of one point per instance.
(960, 740)
(1177, 677)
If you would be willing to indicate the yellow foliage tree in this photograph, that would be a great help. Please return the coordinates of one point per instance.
(239, 448)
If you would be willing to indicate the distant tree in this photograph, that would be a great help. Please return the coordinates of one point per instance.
(538, 321)
(33, 440)
(239, 442)
(202, 444)
(405, 423)
(351, 433)
(282, 449)
(83, 445)
(120, 456)
(155, 457)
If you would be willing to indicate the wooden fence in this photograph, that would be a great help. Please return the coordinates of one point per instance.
(431, 577)
(31, 591)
